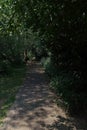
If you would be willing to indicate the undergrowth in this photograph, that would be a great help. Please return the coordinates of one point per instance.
(68, 85)
(9, 85)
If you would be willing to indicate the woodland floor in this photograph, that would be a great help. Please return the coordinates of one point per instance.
(35, 107)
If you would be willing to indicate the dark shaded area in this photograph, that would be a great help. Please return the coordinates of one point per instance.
(9, 85)
(61, 124)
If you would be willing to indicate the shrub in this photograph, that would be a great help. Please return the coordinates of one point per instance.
(66, 85)
(5, 66)
(49, 67)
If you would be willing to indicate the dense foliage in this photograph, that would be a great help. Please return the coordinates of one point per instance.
(62, 27)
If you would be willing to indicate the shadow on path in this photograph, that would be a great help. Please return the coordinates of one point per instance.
(34, 108)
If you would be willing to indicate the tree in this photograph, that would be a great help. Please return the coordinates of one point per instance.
(62, 26)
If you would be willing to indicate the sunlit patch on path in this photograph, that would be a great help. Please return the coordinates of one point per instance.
(34, 108)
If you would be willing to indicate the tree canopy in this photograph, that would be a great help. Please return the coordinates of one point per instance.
(61, 26)
(62, 23)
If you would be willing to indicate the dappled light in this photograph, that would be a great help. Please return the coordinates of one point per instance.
(35, 107)
(51, 34)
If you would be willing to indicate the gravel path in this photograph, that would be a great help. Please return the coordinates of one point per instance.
(34, 108)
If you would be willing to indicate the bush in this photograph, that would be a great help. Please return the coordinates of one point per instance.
(5, 66)
(66, 85)
(49, 67)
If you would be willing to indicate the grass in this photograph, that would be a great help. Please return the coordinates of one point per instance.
(9, 86)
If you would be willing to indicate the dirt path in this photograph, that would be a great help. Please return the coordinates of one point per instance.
(34, 108)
